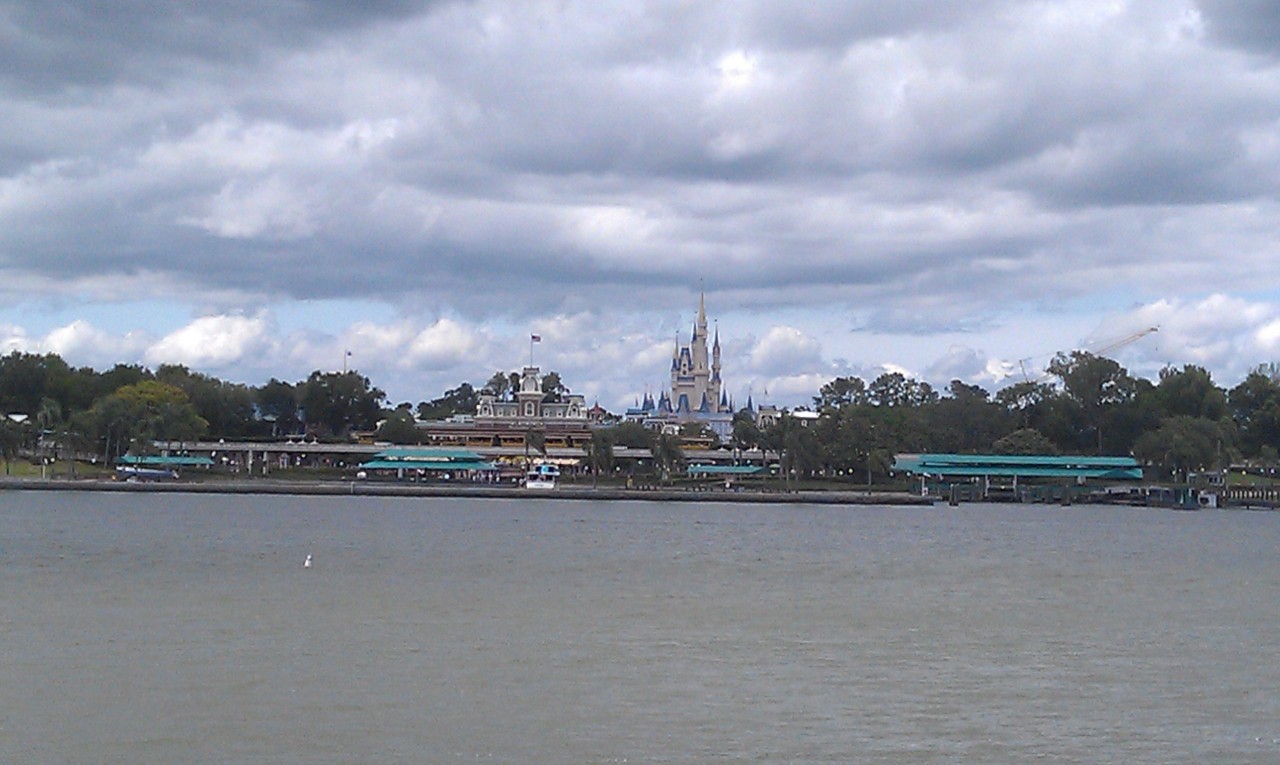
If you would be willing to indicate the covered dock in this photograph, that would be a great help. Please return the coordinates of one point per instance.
(438, 462)
(1011, 474)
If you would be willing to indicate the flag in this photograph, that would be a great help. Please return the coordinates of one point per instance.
(535, 338)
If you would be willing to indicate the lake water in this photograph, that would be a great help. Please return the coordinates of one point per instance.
(183, 628)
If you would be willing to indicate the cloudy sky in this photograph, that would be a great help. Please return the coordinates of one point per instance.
(953, 190)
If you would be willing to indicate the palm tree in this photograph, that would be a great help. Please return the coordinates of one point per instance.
(667, 454)
(72, 442)
(599, 451)
(534, 439)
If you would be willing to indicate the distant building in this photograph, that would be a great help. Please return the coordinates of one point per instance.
(529, 406)
(563, 423)
(697, 390)
(695, 377)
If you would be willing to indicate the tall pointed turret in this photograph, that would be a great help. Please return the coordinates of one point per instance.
(695, 368)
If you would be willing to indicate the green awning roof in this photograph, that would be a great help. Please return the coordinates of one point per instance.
(432, 455)
(408, 458)
(155, 461)
(1062, 466)
(436, 465)
(726, 469)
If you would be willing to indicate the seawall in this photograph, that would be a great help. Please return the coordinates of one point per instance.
(386, 489)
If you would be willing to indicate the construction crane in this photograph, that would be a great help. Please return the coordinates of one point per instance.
(1102, 350)
(1122, 342)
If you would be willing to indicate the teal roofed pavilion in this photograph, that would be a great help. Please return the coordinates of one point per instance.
(435, 460)
(152, 461)
(726, 470)
(1018, 466)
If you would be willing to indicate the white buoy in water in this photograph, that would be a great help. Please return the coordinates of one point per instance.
(307, 563)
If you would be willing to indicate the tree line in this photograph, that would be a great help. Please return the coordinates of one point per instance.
(87, 412)
(1087, 404)
(130, 407)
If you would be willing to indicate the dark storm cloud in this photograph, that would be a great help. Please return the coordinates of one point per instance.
(50, 47)
(918, 160)
(1252, 25)
(813, 23)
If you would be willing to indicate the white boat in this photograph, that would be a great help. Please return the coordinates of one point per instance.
(541, 477)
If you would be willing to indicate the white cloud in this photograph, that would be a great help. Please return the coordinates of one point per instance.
(89, 345)
(14, 338)
(445, 343)
(784, 350)
(271, 209)
(967, 365)
(214, 342)
(1227, 335)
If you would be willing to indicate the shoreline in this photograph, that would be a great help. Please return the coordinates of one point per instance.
(378, 489)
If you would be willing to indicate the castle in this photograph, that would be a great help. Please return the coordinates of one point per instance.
(695, 384)
(697, 392)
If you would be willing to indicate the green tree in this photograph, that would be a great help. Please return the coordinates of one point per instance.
(841, 392)
(227, 407)
(894, 389)
(1255, 408)
(26, 379)
(498, 386)
(668, 456)
(277, 404)
(138, 415)
(1027, 401)
(1099, 388)
(10, 441)
(49, 414)
(160, 412)
(691, 431)
(1024, 441)
(70, 444)
(631, 435)
(859, 442)
(599, 453)
(119, 376)
(1182, 444)
(845, 438)
(335, 404)
(746, 434)
(553, 388)
(399, 427)
(799, 452)
(1190, 392)
(460, 400)
(966, 420)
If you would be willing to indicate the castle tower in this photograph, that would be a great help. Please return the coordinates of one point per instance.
(713, 387)
(695, 371)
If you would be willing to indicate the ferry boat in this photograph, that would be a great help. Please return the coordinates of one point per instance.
(541, 477)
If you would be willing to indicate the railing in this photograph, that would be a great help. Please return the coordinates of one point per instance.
(1253, 496)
